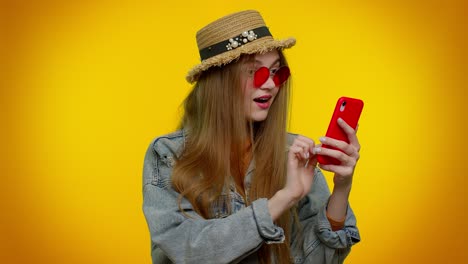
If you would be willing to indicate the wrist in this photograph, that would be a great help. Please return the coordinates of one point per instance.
(288, 199)
(337, 206)
(342, 184)
(279, 203)
(342, 188)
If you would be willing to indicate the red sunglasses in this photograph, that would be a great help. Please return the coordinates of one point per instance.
(279, 75)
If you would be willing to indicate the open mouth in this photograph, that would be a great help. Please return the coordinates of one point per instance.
(262, 99)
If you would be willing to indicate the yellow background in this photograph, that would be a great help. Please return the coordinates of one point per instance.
(87, 84)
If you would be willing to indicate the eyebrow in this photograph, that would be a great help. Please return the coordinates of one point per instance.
(275, 62)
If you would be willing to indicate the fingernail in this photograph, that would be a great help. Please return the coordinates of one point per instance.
(307, 155)
(322, 139)
(317, 150)
(340, 120)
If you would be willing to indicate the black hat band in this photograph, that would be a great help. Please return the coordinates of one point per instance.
(233, 43)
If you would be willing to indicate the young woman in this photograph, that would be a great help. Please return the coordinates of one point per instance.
(232, 186)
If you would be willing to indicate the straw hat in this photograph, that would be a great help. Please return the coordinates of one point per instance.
(225, 39)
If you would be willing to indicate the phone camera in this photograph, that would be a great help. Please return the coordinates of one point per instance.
(343, 105)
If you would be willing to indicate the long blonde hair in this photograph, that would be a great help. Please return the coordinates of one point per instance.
(217, 131)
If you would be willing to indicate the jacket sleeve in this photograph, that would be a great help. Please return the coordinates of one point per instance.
(314, 240)
(195, 239)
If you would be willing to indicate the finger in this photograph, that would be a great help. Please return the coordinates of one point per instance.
(344, 159)
(297, 152)
(304, 148)
(340, 170)
(314, 150)
(350, 132)
(306, 144)
(339, 144)
(305, 139)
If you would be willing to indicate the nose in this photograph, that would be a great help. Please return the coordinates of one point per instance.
(269, 84)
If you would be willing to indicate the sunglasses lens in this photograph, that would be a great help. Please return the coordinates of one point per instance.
(281, 75)
(263, 73)
(261, 76)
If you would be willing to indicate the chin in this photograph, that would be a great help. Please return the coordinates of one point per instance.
(258, 117)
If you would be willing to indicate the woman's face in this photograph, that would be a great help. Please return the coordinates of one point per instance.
(258, 101)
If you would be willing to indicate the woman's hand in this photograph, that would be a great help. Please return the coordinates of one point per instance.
(300, 176)
(300, 169)
(348, 156)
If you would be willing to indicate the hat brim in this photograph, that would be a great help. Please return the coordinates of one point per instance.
(262, 45)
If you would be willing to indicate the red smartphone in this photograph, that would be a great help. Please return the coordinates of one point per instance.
(349, 109)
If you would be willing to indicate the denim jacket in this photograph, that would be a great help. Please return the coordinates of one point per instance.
(233, 238)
